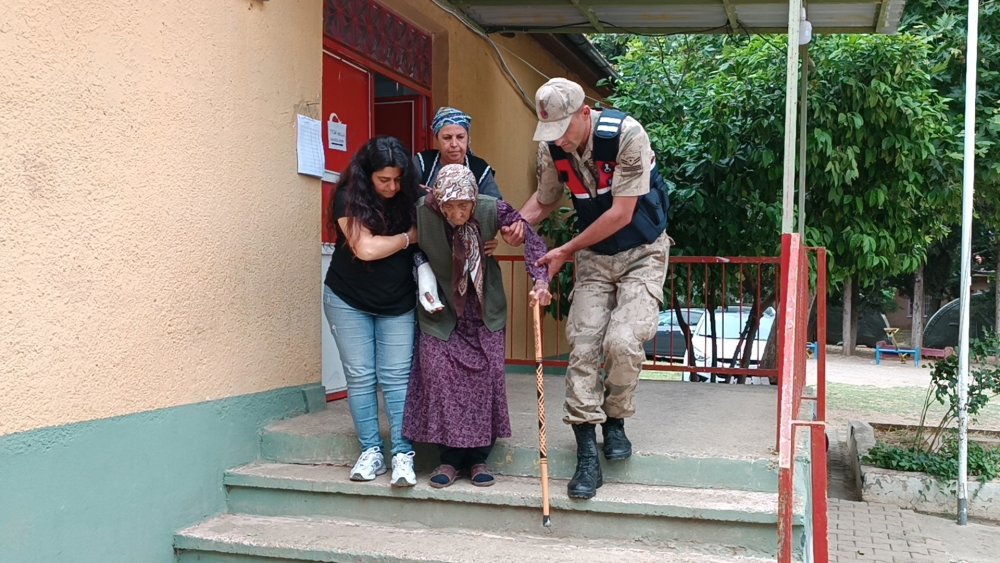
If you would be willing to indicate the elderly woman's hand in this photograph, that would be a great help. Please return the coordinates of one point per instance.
(539, 294)
(427, 288)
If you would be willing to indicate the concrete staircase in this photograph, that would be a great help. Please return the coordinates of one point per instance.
(682, 497)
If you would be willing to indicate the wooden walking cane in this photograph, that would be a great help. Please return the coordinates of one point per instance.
(543, 456)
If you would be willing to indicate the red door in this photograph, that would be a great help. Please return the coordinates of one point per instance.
(399, 117)
(348, 92)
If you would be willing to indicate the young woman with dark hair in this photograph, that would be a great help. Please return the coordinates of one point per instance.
(370, 296)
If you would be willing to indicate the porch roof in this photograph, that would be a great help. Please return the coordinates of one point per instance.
(678, 16)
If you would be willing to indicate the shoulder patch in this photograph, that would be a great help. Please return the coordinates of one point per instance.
(632, 160)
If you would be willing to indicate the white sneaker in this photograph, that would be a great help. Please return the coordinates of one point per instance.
(370, 465)
(402, 470)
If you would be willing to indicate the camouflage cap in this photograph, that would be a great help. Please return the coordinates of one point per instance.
(555, 103)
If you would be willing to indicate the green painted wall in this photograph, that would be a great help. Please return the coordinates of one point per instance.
(116, 490)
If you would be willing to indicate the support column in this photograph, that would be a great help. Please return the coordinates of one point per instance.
(803, 123)
(791, 95)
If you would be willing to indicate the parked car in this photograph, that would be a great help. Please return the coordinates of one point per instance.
(669, 343)
(729, 325)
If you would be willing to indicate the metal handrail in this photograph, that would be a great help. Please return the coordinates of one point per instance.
(792, 294)
(792, 340)
(746, 269)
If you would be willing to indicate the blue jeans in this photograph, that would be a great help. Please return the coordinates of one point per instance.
(376, 350)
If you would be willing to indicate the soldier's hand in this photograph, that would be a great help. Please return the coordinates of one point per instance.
(554, 260)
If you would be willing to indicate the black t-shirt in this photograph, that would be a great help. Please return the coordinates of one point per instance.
(381, 287)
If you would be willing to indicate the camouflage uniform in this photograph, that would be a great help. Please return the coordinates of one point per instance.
(616, 299)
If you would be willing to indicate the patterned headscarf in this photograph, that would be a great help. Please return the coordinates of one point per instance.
(450, 116)
(455, 182)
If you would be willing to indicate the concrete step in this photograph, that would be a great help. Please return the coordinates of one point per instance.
(651, 514)
(234, 538)
(675, 441)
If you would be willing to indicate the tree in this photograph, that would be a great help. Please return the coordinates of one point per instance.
(944, 24)
(883, 185)
(713, 107)
(878, 148)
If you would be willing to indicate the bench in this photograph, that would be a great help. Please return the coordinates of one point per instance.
(937, 353)
(883, 347)
(811, 349)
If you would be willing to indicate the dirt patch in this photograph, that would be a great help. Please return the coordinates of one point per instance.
(905, 436)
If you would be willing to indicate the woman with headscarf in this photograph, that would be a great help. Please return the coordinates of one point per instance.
(457, 397)
(451, 135)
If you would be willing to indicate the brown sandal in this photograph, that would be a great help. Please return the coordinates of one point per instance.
(444, 475)
(481, 476)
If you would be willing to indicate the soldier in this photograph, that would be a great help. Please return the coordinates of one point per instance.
(620, 250)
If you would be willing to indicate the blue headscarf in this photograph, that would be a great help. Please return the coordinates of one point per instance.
(450, 116)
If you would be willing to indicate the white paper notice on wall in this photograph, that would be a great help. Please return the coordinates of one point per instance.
(337, 133)
(310, 146)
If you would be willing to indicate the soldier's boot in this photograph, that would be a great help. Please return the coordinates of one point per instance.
(587, 478)
(616, 444)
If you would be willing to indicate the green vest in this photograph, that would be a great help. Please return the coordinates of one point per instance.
(435, 244)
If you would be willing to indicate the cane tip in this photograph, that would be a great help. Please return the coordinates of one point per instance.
(546, 521)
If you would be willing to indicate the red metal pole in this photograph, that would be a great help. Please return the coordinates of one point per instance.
(790, 256)
(821, 545)
(821, 334)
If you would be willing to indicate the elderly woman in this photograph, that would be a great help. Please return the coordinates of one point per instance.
(458, 396)
(451, 134)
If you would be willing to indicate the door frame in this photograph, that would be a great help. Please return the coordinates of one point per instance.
(422, 137)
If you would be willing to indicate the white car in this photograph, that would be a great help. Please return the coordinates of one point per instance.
(730, 323)
(670, 344)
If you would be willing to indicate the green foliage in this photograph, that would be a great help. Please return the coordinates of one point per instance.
(559, 228)
(611, 45)
(713, 108)
(924, 455)
(984, 380)
(883, 182)
(943, 23)
(942, 464)
(880, 148)
(883, 146)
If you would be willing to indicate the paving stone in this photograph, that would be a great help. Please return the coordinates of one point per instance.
(863, 531)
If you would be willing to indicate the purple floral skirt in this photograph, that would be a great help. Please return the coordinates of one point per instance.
(457, 395)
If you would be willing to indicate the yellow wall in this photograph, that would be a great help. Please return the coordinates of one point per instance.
(157, 247)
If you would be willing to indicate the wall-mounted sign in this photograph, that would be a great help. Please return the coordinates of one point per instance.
(337, 133)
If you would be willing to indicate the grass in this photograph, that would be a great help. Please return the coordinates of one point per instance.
(656, 375)
(899, 405)
(891, 405)
(903, 437)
